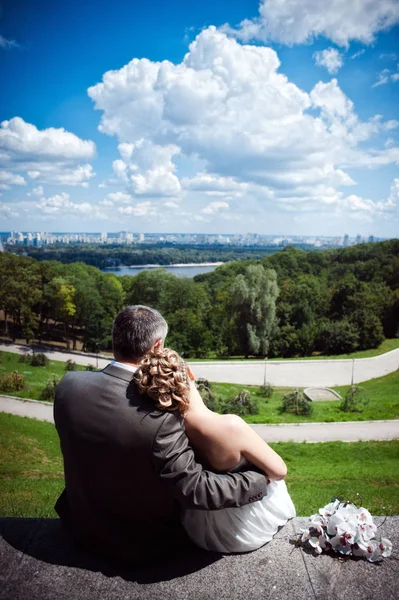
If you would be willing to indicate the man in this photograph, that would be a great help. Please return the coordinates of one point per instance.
(129, 468)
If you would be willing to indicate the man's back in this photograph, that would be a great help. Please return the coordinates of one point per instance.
(128, 467)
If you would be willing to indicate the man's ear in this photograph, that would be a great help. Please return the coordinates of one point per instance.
(158, 345)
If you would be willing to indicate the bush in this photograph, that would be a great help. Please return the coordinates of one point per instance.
(70, 365)
(355, 399)
(241, 405)
(337, 337)
(90, 368)
(39, 360)
(12, 382)
(266, 391)
(211, 401)
(48, 392)
(202, 383)
(296, 403)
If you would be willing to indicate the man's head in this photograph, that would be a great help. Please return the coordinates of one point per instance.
(136, 330)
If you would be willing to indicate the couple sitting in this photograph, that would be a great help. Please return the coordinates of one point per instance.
(143, 456)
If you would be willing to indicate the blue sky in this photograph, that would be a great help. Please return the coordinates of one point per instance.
(278, 117)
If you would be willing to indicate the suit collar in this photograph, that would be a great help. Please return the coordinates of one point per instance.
(118, 372)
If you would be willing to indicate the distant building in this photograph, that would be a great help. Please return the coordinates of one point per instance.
(358, 239)
(371, 239)
(346, 240)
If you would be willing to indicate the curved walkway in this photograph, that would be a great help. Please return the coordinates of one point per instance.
(351, 431)
(280, 373)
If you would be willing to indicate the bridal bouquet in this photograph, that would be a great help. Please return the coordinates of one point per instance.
(342, 527)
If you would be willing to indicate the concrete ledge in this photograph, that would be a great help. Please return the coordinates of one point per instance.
(38, 562)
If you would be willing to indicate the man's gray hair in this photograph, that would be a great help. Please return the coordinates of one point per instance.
(135, 331)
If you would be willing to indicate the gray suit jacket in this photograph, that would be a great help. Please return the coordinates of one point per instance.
(129, 468)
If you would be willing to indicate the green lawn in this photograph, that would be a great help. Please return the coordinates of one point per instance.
(383, 395)
(35, 377)
(32, 476)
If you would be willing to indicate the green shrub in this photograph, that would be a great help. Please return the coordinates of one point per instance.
(12, 382)
(90, 368)
(266, 391)
(296, 403)
(241, 405)
(202, 383)
(48, 392)
(355, 399)
(39, 360)
(70, 365)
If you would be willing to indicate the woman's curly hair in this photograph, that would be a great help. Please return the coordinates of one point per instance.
(162, 375)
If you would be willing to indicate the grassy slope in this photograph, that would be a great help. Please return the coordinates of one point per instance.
(382, 392)
(383, 395)
(32, 475)
(35, 377)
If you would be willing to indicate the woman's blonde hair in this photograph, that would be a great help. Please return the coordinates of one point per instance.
(162, 375)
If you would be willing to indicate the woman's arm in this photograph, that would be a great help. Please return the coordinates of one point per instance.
(256, 450)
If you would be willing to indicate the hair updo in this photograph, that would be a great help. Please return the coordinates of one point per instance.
(162, 375)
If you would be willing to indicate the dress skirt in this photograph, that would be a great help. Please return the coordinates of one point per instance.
(244, 528)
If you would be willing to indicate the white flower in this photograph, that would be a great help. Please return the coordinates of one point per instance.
(329, 509)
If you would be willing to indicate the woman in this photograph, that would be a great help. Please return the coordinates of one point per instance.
(224, 443)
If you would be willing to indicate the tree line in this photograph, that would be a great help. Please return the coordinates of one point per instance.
(163, 253)
(290, 303)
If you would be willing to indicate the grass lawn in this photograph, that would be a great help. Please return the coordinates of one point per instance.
(32, 476)
(383, 395)
(35, 377)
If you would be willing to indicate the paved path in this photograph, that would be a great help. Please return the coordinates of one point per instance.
(301, 432)
(281, 373)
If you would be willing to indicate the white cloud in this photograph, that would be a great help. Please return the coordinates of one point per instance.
(7, 44)
(48, 155)
(292, 22)
(7, 179)
(227, 108)
(387, 76)
(121, 197)
(61, 204)
(147, 168)
(142, 209)
(7, 212)
(214, 207)
(358, 53)
(330, 58)
(210, 184)
(38, 191)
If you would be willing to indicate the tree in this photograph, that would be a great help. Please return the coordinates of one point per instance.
(254, 297)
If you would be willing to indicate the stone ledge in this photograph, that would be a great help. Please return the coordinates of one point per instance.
(38, 562)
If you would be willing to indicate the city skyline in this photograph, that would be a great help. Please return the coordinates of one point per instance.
(225, 118)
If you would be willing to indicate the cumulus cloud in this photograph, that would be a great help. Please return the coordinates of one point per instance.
(61, 204)
(330, 58)
(292, 22)
(227, 108)
(7, 211)
(141, 209)
(121, 197)
(7, 179)
(214, 207)
(49, 155)
(147, 168)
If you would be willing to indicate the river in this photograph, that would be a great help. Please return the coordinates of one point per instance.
(181, 270)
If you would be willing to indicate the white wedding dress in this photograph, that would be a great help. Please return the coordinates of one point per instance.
(244, 528)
